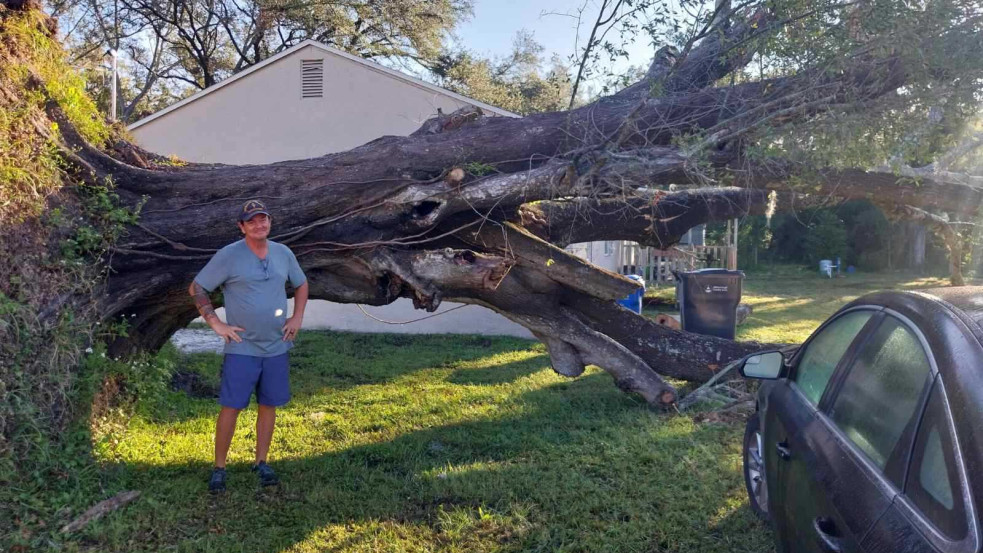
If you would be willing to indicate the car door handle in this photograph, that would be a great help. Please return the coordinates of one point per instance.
(825, 529)
(783, 450)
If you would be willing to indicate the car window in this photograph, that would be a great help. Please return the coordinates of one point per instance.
(880, 396)
(933, 482)
(824, 352)
(934, 475)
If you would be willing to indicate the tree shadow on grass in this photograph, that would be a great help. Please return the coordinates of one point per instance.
(576, 466)
(491, 373)
(338, 361)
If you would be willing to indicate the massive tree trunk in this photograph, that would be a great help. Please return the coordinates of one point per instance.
(404, 217)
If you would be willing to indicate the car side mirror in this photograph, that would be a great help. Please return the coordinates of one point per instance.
(766, 365)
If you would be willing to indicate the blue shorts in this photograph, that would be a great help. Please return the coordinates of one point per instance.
(244, 374)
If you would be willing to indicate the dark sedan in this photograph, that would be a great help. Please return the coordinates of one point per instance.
(870, 437)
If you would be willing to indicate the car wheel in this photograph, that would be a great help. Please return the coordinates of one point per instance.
(754, 468)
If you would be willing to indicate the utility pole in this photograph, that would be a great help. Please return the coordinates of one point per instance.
(114, 52)
(721, 8)
(112, 84)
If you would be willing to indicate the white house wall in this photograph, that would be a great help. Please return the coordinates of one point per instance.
(606, 255)
(261, 118)
(402, 318)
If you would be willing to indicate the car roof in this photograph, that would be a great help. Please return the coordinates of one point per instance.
(968, 299)
(929, 309)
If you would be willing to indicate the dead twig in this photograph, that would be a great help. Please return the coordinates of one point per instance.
(98, 510)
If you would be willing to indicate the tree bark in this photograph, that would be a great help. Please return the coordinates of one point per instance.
(477, 209)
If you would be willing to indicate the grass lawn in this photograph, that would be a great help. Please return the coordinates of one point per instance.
(790, 302)
(440, 443)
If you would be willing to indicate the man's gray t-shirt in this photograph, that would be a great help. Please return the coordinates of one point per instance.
(255, 294)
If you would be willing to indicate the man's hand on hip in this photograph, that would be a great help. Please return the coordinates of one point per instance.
(227, 332)
(291, 328)
(207, 312)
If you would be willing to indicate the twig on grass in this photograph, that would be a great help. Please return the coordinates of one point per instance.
(98, 510)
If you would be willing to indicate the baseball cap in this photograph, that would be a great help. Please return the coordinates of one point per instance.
(251, 209)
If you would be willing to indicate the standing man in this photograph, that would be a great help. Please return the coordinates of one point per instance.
(252, 273)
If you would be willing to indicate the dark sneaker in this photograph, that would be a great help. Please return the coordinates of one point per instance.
(217, 483)
(266, 475)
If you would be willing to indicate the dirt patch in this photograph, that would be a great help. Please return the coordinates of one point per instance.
(194, 385)
(111, 396)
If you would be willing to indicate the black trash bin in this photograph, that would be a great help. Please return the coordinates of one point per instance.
(708, 301)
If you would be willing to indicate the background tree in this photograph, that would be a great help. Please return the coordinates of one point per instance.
(172, 48)
(519, 82)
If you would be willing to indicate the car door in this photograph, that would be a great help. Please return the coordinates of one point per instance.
(863, 434)
(934, 514)
(790, 416)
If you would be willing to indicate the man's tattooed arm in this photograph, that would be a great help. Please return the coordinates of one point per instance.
(202, 302)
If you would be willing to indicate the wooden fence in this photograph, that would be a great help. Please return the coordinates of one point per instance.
(656, 266)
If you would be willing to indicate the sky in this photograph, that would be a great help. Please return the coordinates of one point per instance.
(552, 22)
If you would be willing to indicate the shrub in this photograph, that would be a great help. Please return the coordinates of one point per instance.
(826, 238)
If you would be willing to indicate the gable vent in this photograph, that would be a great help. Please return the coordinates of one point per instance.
(312, 78)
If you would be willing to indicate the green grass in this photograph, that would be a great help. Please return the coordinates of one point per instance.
(790, 302)
(428, 443)
(440, 443)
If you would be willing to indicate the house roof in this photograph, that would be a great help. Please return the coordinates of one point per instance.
(328, 50)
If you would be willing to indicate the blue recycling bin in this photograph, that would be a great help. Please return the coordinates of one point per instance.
(634, 300)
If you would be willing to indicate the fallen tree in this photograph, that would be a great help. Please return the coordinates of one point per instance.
(477, 209)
